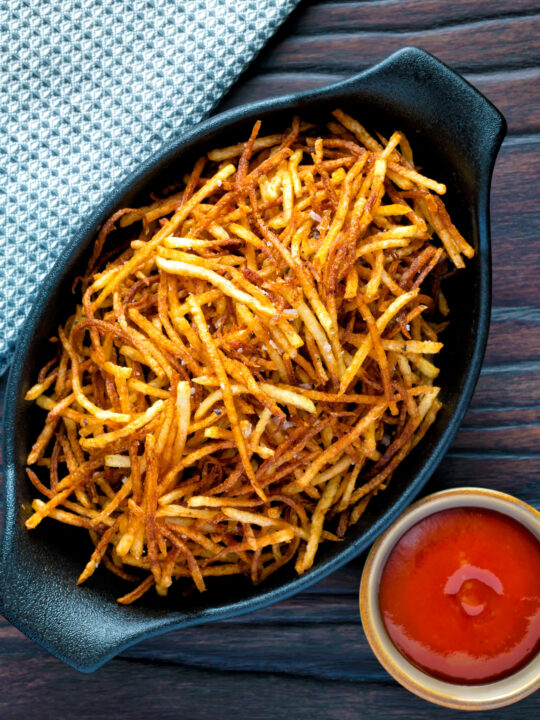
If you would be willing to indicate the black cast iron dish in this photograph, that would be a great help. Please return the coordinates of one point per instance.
(455, 133)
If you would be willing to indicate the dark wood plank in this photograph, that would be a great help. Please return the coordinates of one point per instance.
(471, 47)
(514, 337)
(512, 91)
(38, 686)
(508, 386)
(518, 438)
(399, 15)
(515, 223)
(340, 651)
(513, 473)
(501, 417)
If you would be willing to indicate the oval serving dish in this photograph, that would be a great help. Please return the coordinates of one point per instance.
(481, 696)
(455, 133)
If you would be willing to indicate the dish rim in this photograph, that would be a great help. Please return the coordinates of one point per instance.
(155, 164)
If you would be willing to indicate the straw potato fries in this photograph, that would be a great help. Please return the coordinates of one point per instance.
(251, 365)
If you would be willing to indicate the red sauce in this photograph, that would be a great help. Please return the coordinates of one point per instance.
(460, 595)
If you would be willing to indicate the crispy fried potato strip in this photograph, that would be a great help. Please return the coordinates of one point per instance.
(252, 364)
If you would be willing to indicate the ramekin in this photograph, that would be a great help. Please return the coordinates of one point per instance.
(463, 697)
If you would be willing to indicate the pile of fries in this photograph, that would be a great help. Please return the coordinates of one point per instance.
(243, 375)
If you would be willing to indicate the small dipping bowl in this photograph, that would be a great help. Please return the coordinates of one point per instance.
(486, 696)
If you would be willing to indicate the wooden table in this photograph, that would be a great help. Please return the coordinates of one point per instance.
(307, 657)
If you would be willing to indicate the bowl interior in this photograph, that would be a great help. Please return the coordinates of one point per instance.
(50, 558)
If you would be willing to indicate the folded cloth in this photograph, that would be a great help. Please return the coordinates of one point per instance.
(88, 89)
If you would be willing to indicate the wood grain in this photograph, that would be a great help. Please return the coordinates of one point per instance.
(508, 386)
(400, 15)
(306, 657)
(515, 223)
(352, 49)
(146, 689)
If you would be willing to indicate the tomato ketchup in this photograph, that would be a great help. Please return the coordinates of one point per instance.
(460, 595)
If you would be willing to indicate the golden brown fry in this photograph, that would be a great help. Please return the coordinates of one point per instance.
(234, 386)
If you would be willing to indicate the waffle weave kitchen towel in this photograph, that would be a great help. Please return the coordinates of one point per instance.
(88, 88)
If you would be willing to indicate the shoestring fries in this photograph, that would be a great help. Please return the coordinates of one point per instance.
(235, 386)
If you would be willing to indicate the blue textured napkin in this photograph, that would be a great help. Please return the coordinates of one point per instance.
(89, 87)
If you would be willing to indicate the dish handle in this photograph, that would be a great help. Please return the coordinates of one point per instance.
(466, 124)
